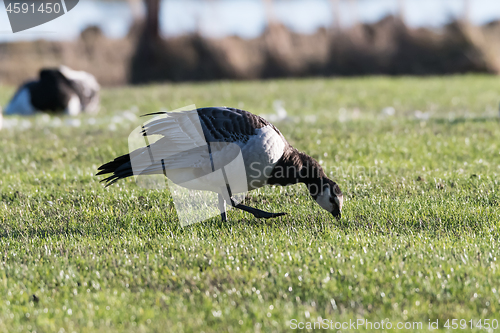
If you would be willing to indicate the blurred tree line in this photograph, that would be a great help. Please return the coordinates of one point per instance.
(354, 49)
(151, 28)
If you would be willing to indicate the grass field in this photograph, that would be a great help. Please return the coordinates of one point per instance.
(418, 239)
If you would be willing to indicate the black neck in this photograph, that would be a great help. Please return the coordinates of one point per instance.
(296, 167)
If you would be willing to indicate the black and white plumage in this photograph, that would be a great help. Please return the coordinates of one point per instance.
(56, 90)
(268, 158)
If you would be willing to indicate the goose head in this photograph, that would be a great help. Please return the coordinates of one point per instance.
(329, 196)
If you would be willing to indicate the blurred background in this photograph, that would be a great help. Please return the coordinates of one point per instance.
(142, 41)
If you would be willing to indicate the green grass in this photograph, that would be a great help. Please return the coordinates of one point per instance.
(418, 240)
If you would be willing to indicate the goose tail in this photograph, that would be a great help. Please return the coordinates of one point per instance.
(119, 168)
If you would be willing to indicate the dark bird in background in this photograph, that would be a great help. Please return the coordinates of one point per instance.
(57, 90)
(193, 145)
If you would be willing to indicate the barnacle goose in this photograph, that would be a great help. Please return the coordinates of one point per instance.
(268, 158)
(57, 89)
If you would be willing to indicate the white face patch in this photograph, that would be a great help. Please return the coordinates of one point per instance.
(339, 201)
(324, 200)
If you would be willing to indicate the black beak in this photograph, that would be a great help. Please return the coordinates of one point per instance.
(337, 214)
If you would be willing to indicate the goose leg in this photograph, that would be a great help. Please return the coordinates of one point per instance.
(226, 195)
(260, 214)
(256, 212)
(222, 208)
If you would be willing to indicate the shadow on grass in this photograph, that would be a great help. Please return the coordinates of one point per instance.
(41, 233)
(462, 120)
(432, 225)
